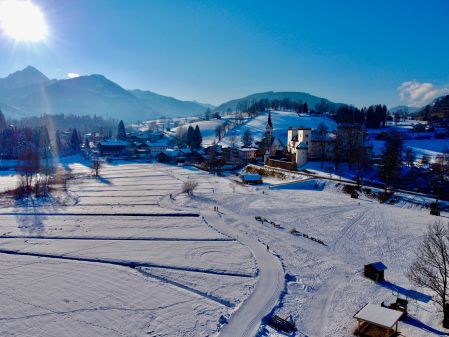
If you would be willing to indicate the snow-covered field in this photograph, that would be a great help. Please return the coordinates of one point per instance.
(282, 120)
(137, 269)
(124, 259)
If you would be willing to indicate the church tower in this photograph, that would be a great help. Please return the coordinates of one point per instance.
(269, 127)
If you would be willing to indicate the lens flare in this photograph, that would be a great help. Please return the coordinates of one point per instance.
(22, 21)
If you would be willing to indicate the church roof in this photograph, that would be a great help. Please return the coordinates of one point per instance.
(302, 145)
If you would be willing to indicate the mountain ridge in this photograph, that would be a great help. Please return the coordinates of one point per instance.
(28, 92)
(311, 100)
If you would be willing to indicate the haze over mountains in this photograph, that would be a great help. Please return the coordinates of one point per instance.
(29, 92)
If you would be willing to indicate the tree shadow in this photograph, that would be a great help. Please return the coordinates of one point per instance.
(32, 223)
(103, 180)
(416, 323)
(411, 294)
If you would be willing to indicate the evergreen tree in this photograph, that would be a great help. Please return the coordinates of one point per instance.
(305, 108)
(121, 132)
(75, 142)
(190, 137)
(58, 149)
(86, 143)
(2, 121)
(197, 137)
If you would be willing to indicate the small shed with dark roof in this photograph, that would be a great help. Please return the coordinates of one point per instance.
(375, 271)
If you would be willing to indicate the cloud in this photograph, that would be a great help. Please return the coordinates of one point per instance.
(73, 75)
(418, 94)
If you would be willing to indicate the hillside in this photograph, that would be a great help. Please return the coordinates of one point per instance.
(156, 103)
(28, 92)
(271, 95)
(282, 120)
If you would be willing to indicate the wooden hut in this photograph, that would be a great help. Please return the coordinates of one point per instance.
(376, 321)
(375, 271)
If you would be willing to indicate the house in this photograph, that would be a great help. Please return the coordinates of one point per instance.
(375, 271)
(375, 321)
(248, 154)
(157, 147)
(169, 156)
(252, 179)
(111, 147)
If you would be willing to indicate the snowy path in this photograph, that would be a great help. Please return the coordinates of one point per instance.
(246, 321)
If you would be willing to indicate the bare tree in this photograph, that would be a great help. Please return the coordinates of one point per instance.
(189, 186)
(410, 156)
(219, 131)
(247, 138)
(431, 268)
(29, 166)
(96, 166)
(322, 132)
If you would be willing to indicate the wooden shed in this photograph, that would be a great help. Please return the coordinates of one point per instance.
(375, 271)
(376, 321)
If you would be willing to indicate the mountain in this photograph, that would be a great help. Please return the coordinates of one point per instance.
(29, 93)
(271, 95)
(410, 109)
(156, 102)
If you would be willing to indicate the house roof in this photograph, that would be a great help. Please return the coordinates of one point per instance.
(378, 315)
(251, 177)
(113, 142)
(379, 266)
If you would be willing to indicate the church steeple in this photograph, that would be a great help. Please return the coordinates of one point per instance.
(269, 119)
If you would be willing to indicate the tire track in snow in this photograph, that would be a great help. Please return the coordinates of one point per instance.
(125, 263)
(118, 238)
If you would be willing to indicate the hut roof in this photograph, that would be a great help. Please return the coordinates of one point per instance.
(379, 266)
(378, 315)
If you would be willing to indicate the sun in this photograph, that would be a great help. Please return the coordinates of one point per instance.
(22, 20)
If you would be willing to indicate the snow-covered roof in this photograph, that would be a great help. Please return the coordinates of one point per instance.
(171, 152)
(113, 142)
(248, 149)
(379, 315)
(251, 177)
(379, 266)
(160, 143)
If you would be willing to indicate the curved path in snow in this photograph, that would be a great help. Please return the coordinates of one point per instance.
(246, 321)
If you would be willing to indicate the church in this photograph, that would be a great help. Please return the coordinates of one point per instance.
(269, 144)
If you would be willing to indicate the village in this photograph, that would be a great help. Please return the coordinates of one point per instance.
(224, 168)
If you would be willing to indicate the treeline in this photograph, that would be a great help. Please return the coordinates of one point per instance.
(253, 108)
(84, 124)
(22, 142)
(373, 116)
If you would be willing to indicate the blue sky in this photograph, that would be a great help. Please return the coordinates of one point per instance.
(357, 52)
